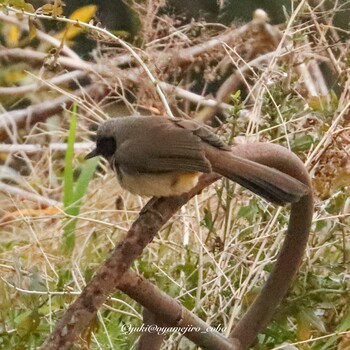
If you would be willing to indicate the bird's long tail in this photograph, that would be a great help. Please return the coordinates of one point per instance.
(269, 183)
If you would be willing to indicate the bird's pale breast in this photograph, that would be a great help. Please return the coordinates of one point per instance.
(159, 185)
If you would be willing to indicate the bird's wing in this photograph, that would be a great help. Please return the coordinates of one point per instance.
(161, 147)
(204, 132)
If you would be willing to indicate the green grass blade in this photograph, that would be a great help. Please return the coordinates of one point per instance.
(80, 190)
(85, 178)
(68, 183)
(68, 186)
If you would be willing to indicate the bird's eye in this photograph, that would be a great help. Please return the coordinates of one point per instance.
(106, 146)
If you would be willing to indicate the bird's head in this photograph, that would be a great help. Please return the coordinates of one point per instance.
(106, 144)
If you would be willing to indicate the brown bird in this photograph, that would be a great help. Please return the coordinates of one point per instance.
(157, 156)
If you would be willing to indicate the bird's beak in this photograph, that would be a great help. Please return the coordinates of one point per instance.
(92, 154)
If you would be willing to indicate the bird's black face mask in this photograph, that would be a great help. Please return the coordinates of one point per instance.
(105, 147)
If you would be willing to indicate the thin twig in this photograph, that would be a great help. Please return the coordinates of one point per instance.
(35, 148)
(16, 191)
(57, 80)
(34, 57)
(43, 110)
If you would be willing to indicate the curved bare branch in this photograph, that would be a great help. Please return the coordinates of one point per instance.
(113, 272)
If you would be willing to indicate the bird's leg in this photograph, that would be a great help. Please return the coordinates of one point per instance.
(149, 208)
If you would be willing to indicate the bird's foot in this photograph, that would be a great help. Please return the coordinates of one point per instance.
(149, 208)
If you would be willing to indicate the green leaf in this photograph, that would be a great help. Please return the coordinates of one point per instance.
(302, 143)
(344, 325)
(20, 5)
(27, 322)
(248, 212)
(321, 224)
(32, 29)
(236, 97)
(208, 220)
